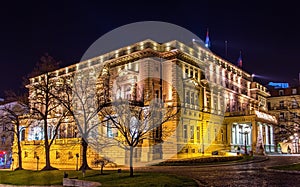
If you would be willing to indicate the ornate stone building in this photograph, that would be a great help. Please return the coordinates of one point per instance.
(222, 108)
(284, 104)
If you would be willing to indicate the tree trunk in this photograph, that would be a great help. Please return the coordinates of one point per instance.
(130, 161)
(84, 165)
(19, 153)
(47, 154)
(102, 166)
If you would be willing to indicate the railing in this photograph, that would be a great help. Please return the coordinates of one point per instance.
(240, 113)
(56, 141)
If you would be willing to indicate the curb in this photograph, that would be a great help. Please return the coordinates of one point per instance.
(281, 171)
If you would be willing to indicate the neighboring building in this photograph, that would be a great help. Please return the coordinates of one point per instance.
(222, 109)
(284, 103)
(6, 135)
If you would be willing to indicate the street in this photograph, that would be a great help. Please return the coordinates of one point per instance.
(251, 174)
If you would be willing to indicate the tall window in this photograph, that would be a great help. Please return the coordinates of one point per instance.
(192, 133)
(222, 135)
(22, 134)
(185, 132)
(198, 134)
(109, 131)
(281, 104)
(192, 98)
(187, 97)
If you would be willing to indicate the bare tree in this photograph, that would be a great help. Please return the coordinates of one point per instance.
(79, 97)
(136, 121)
(44, 106)
(14, 119)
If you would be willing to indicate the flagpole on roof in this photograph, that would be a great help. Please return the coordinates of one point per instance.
(240, 60)
(207, 42)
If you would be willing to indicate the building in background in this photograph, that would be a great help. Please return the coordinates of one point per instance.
(223, 111)
(284, 104)
(6, 135)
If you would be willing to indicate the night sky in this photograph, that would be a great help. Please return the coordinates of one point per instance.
(268, 34)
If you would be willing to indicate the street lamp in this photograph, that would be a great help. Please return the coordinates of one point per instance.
(77, 156)
(246, 132)
(37, 162)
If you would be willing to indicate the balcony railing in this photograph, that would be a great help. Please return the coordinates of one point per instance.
(56, 141)
(240, 113)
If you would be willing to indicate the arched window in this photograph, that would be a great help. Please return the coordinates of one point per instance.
(22, 137)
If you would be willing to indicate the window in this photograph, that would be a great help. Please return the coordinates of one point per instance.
(281, 104)
(281, 92)
(22, 134)
(192, 72)
(185, 132)
(186, 71)
(192, 134)
(281, 115)
(222, 135)
(192, 98)
(294, 91)
(294, 104)
(198, 134)
(187, 97)
(109, 130)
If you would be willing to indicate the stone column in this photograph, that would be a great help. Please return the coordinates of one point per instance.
(205, 99)
(233, 132)
(253, 134)
(237, 132)
(272, 139)
(267, 137)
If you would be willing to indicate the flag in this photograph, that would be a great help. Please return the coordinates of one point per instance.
(240, 61)
(207, 42)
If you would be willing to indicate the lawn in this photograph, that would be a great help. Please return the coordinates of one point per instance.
(295, 167)
(110, 178)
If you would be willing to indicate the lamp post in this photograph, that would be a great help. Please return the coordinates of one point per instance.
(37, 162)
(77, 156)
(246, 132)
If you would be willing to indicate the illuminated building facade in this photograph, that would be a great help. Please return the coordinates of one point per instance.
(284, 104)
(222, 108)
(6, 136)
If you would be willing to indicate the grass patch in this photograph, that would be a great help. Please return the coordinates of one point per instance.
(204, 161)
(110, 178)
(293, 167)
